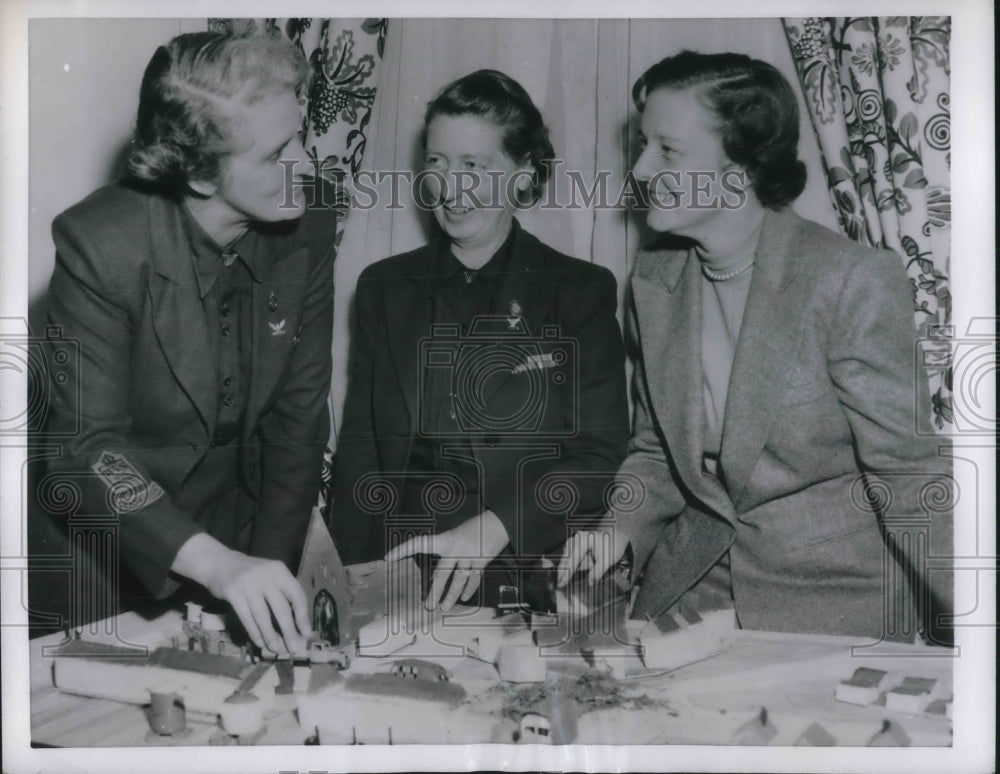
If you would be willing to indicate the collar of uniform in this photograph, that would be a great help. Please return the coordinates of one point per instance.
(449, 268)
(208, 254)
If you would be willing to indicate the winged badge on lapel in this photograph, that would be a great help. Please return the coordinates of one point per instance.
(536, 362)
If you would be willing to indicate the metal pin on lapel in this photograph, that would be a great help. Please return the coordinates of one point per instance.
(515, 314)
(272, 303)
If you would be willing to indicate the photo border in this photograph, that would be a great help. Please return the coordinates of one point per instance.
(973, 193)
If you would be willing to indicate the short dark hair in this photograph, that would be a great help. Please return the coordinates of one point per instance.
(758, 117)
(184, 131)
(500, 99)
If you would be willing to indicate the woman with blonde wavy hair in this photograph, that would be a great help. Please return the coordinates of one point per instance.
(200, 290)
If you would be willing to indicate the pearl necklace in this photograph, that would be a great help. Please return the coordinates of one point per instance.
(722, 276)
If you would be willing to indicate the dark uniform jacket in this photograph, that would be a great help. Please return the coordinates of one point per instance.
(546, 421)
(146, 395)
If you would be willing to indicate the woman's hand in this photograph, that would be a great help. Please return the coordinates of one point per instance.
(464, 553)
(255, 588)
(594, 551)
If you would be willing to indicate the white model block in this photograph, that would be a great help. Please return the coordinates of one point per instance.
(757, 732)
(300, 678)
(212, 622)
(688, 643)
(487, 643)
(381, 638)
(520, 664)
(864, 687)
(201, 693)
(912, 695)
(241, 714)
(343, 717)
(192, 613)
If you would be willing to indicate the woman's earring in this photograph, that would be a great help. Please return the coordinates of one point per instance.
(524, 185)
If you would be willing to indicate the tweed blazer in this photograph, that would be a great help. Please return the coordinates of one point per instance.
(821, 402)
(576, 441)
(124, 286)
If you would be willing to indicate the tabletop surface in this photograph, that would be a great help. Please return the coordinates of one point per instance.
(791, 677)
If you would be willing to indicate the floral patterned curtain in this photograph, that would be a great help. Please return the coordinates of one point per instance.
(877, 89)
(345, 55)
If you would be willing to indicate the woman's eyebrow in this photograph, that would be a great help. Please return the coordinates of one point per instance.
(462, 157)
(276, 148)
(661, 137)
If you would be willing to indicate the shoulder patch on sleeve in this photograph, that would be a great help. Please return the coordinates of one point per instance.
(128, 490)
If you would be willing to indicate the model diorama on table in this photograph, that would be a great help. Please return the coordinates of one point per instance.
(381, 669)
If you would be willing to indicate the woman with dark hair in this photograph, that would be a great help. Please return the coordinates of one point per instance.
(487, 369)
(777, 382)
(200, 290)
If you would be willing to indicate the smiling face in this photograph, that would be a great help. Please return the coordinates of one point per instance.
(254, 184)
(470, 181)
(684, 164)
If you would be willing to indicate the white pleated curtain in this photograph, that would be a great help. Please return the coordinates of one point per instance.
(580, 74)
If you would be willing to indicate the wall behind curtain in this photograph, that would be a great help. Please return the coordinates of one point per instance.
(83, 91)
(580, 74)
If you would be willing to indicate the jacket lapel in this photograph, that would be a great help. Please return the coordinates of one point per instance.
(668, 307)
(768, 341)
(178, 315)
(526, 292)
(408, 310)
(407, 320)
(276, 305)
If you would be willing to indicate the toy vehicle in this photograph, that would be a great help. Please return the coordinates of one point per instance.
(322, 652)
(534, 729)
(317, 652)
(550, 721)
(418, 669)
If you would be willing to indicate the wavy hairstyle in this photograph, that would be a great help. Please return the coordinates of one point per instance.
(757, 117)
(186, 123)
(501, 100)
